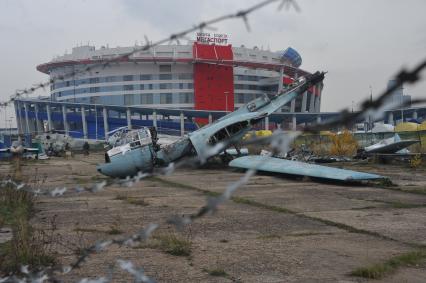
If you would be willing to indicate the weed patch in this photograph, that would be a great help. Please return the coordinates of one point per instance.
(170, 243)
(380, 270)
(28, 246)
(219, 272)
(132, 200)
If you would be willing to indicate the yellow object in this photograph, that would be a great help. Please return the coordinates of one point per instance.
(263, 133)
(407, 127)
(422, 126)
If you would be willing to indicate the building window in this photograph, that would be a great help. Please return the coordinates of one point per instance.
(190, 86)
(127, 87)
(185, 76)
(240, 98)
(145, 77)
(165, 98)
(94, 99)
(128, 99)
(141, 87)
(94, 80)
(165, 76)
(94, 89)
(146, 98)
(128, 78)
(165, 68)
(249, 97)
(165, 86)
(150, 86)
(186, 97)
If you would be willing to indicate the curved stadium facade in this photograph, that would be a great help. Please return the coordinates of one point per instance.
(193, 76)
(170, 87)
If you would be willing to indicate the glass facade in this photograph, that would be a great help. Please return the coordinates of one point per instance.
(125, 78)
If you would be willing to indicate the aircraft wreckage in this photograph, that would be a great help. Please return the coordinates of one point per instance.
(139, 151)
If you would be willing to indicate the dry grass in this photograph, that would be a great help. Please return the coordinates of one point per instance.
(170, 243)
(380, 270)
(28, 246)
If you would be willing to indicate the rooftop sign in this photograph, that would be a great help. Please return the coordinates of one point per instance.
(215, 38)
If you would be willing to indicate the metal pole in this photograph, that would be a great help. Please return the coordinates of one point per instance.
(27, 125)
(49, 118)
(390, 118)
(304, 101)
(129, 118)
(18, 117)
(267, 123)
(38, 126)
(84, 122)
(64, 117)
(415, 115)
(312, 102)
(154, 119)
(182, 124)
(106, 126)
(294, 122)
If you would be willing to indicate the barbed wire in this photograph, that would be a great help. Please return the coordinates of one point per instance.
(242, 14)
(279, 143)
(374, 109)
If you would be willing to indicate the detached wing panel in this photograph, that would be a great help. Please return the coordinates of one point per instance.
(277, 165)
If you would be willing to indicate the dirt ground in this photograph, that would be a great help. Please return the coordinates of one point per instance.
(277, 229)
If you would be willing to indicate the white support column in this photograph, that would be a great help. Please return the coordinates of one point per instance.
(182, 124)
(154, 119)
(312, 102)
(84, 122)
(304, 101)
(280, 82)
(106, 126)
(49, 118)
(294, 123)
(64, 118)
(390, 119)
(267, 123)
(129, 118)
(210, 118)
(317, 104)
(38, 124)
(415, 115)
(27, 125)
(18, 117)
(318, 119)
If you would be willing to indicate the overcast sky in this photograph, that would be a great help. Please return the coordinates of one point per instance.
(361, 43)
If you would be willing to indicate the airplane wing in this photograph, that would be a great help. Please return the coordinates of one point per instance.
(283, 166)
(393, 147)
(4, 150)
